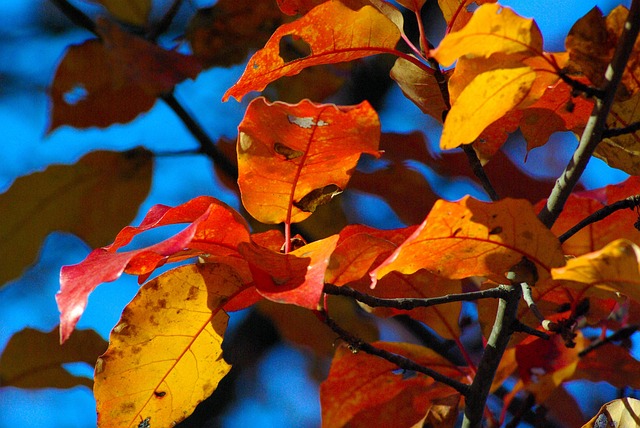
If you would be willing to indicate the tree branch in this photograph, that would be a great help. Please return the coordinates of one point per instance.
(412, 303)
(479, 172)
(631, 202)
(496, 345)
(358, 344)
(615, 132)
(165, 22)
(589, 91)
(596, 125)
(76, 15)
(623, 333)
(528, 298)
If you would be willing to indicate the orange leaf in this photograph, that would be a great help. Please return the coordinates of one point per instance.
(493, 28)
(134, 12)
(333, 32)
(85, 199)
(165, 354)
(366, 391)
(296, 278)
(293, 157)
(33, 359)
(612, 364)
(595, 236)
(94, 78)
(612, 270)
(214, 229)
(456, 12)
(473, 238)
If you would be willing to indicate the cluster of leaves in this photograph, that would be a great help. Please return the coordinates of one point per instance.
(292, 159)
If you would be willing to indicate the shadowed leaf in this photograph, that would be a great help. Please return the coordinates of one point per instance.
(84, 199)
(619, 413)
(134, 12)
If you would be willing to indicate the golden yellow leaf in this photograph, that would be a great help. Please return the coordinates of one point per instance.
(623, 412)
(134, 12)
(93, 199)
(165, 354)
(623, 151)
(611, 270)
(493, 28)
(487, 98)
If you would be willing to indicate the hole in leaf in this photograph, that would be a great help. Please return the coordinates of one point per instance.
(293, 48)
(306, 122)
(317, 197)
(75, 95)
(145, 423)
(287, 151)
(79, 368)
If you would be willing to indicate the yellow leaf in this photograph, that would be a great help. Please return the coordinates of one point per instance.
(165, 354)
(134, 12)
(24, 367)
(623, 412)
(493, 28)
(93, 199)
(487, 98)
(623, 151)
(611, 270)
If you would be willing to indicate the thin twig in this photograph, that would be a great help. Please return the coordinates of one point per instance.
(631, 202)
(76, 15)
(528, 298)
(623, 333)
(478, 170)
(616, 132)
(358, 344)
(412, 303)
(445, 347)
(589, 91)
(596, 125)
(523, 328)
(165, 22)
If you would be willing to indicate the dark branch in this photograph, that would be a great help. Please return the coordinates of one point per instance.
(597, 123)
(358, 344)
(589, 91)
(616, 132)
(621, 334)
(412, 303)
(523, 328)
(165, 22)
(445, 347)
(479, 172)
(631, 202)
(76, 15)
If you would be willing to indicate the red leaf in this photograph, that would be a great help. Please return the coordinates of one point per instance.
(296, 278)
(215, 229)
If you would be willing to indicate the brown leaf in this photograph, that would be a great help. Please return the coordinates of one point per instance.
(134, 12)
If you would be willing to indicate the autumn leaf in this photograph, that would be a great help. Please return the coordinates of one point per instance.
(595, 236)
(622, 151)
(420, 86)
(334, 33)
(214, 229)
(456, 12)
(492, 29)
(134, 12)
(472, 238)
(613, 270)
(295, 278)
(365, 390)
(298, 7)
(609, 363)
(165, 353)
(95, 77)
(84, 199)
(619, 413)
(33, 359)
(293, 157)
(223, 34)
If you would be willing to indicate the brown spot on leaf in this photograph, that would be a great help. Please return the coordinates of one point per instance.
(127, 407)
(287, 151)
(159, 394)
(317, 197)
(496, 230)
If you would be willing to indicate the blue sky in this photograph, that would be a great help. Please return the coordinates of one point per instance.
(29, 56)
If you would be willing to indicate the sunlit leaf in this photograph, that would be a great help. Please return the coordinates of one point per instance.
(85, 199)
(214, 229)
(493, 28)
(333, 32)
(618, 225)
(33, 359)
(223, 34)
(612, 364)
(165, 353)
(420, 86)
(99, 83)
(456, 12)
(366, 391)
(293, 157)
(472, 238)
(297, 277)
(622, 412)
(622, 151)
(134, 12)
(486, 99)
(611, 270)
